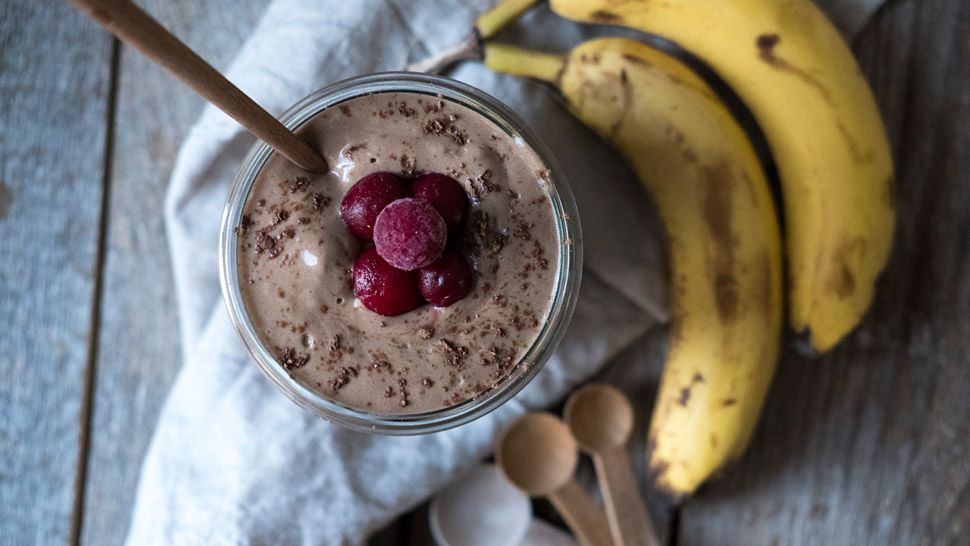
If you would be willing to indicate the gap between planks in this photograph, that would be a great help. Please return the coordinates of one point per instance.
(90, 369)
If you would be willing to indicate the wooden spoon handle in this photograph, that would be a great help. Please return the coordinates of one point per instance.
(136, 28)
(584, 517)
(627, 514)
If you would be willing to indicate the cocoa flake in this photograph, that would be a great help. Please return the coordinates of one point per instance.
(454, 354)
(290, 360)
(266, 243)
(293, 185)
(280, 216)
(244, 225)
(319, 201)
(405, 110)
(434, 127)
(343, 376)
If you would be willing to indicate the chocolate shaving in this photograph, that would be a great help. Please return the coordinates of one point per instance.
(434, 127)
(405, 110)
(426, 332)
(300, 183)
(244, 225)
(480, 236)
(454, 354)
(291, 361)
(344, 375)
(319, 201)
(280, 216)
(266, 243)
(379, 362)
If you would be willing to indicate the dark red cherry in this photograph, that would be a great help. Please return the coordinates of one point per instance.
(446, 281)
(366, 199)
(383, 288)
(445, 194)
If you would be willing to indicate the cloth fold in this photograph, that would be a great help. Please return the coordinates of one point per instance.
(232, 460)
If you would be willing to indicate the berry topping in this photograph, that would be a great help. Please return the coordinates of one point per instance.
(446, 281)
(366, 199)
(409, 234)
(384, 289)
(445, 195)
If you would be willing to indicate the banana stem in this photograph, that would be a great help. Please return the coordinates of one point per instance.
(497, 18)
(524, 62)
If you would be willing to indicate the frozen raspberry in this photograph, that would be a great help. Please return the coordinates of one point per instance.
(384, 289)
(446, 281)
(410, 234)
(366, 199)
(445, 195)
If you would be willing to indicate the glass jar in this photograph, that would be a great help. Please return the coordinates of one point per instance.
(566, 285)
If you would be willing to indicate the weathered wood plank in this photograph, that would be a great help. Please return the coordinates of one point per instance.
(869, 444)
(54, 81)
(139, 351)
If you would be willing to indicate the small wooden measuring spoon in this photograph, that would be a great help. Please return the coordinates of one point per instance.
(539, 455)
(601, 419)
(136, 28)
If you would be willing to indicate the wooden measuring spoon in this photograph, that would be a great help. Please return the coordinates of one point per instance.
(136, 28)
(601, 419)
(539, 455)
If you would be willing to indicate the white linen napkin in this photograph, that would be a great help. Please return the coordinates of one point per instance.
(232, 460)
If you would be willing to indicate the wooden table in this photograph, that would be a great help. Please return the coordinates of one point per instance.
(869, 445)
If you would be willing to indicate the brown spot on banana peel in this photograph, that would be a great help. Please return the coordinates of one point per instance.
(857, 154)
(684, 396)
(766, 43)
(841, 280)
(728, 402)
(657, 471)
(605, 17)
(716, 194)
(627, 104)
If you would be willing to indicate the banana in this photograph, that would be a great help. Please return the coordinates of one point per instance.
(504, 12)
(801, 82)
(723, 236)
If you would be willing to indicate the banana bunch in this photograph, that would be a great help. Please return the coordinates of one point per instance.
(787, 62)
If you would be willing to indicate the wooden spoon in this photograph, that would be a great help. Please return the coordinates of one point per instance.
(136, 28)
(601, 419)
(539, 455)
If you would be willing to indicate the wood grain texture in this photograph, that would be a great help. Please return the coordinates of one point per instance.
(869, 445)
(137, 29)
(53, 107)
(139, 353)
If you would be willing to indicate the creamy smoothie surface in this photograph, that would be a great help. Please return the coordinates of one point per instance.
(296, 258)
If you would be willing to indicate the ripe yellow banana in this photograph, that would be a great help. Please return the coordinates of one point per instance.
(801, 82)
(723, 236)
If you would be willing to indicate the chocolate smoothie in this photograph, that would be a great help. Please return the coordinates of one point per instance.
(296, 257)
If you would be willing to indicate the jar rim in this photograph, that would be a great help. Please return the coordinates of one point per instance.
(565, 294)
